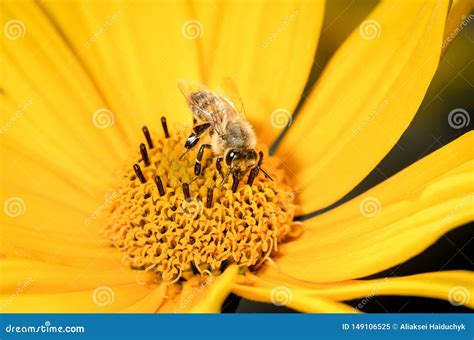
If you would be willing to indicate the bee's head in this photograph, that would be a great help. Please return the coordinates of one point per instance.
(241, 160)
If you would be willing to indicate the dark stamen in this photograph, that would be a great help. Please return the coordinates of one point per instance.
(145, 158)
(148, 137)
(252, 175)
(147, 195)
(159, 184)
(235, 182)
(139, 173)
(165, 127)
(187, 195)
(210, 193)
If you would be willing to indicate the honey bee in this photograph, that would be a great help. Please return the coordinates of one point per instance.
(232, 138)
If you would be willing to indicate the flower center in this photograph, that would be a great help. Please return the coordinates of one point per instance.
(167, 220)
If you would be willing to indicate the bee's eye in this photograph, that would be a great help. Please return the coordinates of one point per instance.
(252, 155)
(230, 156)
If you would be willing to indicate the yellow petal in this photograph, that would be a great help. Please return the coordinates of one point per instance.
(204, 295)
(458, 19)
(454, 286)
(388, 224)
(293, 298)
(48, 100)
(135, 53)
(53, 278)
(364, 100)
(266, 47)
(102, 299)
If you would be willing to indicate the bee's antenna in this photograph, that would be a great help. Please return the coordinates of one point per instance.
(266, 174)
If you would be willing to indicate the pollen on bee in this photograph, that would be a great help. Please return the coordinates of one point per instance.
(168, 221)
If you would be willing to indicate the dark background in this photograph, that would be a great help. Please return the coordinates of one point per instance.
(452, 88)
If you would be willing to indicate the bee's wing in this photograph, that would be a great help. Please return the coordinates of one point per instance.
(229, 92)
(188, 88)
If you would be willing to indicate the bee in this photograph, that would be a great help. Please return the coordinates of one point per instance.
(221, 114)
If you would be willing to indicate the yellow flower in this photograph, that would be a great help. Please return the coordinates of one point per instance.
(81, 79)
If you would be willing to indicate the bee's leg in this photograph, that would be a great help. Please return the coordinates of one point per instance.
(197, 165)
(235, 181)
(219, 166)
(193, 138)
(255, 170)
